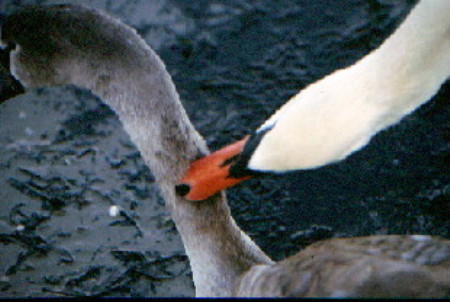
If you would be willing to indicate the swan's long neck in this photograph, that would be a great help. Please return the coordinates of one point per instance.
(150, 111)
(411, 65)
(339, 114)
(99, 53)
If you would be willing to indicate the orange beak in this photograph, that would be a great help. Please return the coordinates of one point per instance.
(210, 174)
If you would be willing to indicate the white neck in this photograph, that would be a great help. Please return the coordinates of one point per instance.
(410, 66)
(119, 67)
(339, 114)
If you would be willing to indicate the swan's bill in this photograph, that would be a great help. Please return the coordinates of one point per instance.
(211, 174)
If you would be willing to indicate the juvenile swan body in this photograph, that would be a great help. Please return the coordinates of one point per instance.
(339, 114)
(61, 45)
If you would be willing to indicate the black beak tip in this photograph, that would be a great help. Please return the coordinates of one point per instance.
(182, 189)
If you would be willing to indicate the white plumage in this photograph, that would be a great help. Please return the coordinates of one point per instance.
(339, 114)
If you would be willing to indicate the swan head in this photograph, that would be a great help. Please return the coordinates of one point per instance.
(28, 51)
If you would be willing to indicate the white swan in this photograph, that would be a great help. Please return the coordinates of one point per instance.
(61, 45)
(339, 114)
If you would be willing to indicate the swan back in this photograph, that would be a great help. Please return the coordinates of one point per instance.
(375, 266)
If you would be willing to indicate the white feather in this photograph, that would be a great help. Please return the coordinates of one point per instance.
(332, 118)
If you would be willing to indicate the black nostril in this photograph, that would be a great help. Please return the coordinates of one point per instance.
(182, 189)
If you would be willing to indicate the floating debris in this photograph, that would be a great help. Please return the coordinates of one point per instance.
(114, 211)
(20, 228)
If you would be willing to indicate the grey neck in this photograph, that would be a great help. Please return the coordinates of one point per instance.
(73, 45)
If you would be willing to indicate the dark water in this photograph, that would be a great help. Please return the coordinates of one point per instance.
(64, 158)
